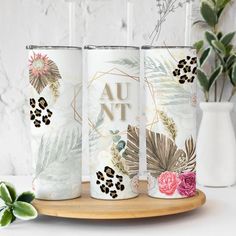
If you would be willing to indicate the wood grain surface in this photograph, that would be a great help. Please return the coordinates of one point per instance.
(142, 206)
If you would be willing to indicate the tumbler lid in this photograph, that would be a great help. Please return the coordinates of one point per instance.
(90, 47)
(162, 47)
(52, 47)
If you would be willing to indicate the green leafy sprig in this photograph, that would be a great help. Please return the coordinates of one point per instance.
(218, 46)
(15, 206)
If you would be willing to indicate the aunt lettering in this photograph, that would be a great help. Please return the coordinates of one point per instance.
(114, 100)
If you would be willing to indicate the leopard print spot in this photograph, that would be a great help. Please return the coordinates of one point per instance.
(194, 71)
(37, 112)
(109, 183)
(119, 186)
(193, 60)
(49, 113)
(176, 72)
(32, 102)
(100, 175)
(113, 194)
(32, 116)
(109, 172)
(192, 79)
(37, 123)
(42, 103)
(119, 177)
(184, 77)
(46, 120)
(182, 62)
(104, 189)
(187, 69)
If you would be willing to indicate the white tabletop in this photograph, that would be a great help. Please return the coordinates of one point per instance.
(216, 217)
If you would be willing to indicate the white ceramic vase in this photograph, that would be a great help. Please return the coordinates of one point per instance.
(216, 146)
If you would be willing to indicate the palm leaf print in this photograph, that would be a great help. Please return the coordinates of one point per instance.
(131, 153)
(190, 147)
(164, 155)
(59, 146)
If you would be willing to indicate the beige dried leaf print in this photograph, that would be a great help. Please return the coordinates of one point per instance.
(169, 124)
(117, 160)
(190, 147)
(164, 155)
(54, 87)
(38, 83)
(44, 72)
(132, 151)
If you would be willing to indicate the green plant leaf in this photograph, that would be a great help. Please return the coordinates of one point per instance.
(198, 45)
(220, 4)
(219, 12)
(210, 37)
(6, 217)
(233, 75)
(26, 197)
(219, 46)
(11, 190)
(214, 76)
(229, 49)
(203, 80)
(230, 61)
(5, 194)
(219, 35)
(227, 38)
(208, 14)
(24, 211)
(204, 56)
(13, 218)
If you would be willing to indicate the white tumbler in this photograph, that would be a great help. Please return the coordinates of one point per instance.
(55, 100)
(113, 116)
(170, 86)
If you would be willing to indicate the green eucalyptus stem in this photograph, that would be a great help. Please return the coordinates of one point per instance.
(223, 86)
(206, 96)
(223, 53)
(214, 30)
(232, 94)
(215, 94)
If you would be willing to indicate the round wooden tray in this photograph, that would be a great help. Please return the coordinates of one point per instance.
(142, 206)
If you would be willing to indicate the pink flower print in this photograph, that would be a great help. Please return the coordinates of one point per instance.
(187, 187)
(135, 183)
(39, 65)
(168, 182)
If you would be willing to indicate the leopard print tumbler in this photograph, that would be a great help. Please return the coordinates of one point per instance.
(113, 111)
(170, 82)
(55, 101)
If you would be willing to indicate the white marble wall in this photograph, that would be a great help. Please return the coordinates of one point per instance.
(62, 22)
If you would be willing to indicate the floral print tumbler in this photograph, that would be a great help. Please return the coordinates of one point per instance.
(113, 111)
(170, 86)
(55, 116)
